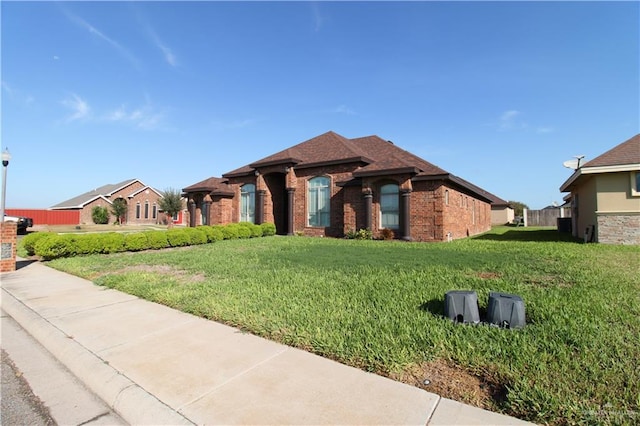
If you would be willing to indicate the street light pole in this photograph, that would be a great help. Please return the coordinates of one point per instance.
(5, 163)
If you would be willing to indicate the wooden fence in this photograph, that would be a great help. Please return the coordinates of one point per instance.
(544, 217)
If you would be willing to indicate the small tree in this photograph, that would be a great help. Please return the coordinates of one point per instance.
(100, 215)
(170, 203)
(518, 207)
(119, 209)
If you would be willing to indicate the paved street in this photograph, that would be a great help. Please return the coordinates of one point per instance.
(19, 404)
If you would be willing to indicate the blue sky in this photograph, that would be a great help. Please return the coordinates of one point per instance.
(171, 93)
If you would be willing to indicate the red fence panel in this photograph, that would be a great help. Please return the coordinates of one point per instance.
(48, 217)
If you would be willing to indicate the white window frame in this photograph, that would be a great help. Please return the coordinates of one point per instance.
(385, 213)
(319, 202)
(248, 203)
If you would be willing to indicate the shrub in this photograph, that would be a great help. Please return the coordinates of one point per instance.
(156, 239)
(178, 237)
(213, 233)
(268, 229)
(256, 231)
(361, 234)
(136, 242)
(243, 230)
(111, 242)
(230, 231)
(53, 247)
(100, 215)
(387, 234)
(29, 241)
(196, 236)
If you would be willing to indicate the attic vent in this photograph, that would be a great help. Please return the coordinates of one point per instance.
(390, 142)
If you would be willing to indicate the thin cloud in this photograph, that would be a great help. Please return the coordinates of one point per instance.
(79, 108)
(343, 109)
(234, 124)
(509, 120)
(94, 31)
(318, 19)
(17, 95)
(143, 118)
(545, 130)
(169, 57)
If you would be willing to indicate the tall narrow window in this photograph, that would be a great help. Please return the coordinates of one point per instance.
(137, 210)
(146, 210)
(446, 197)
(248, 203)
(319, 197)
(154, 211)
(390, 206)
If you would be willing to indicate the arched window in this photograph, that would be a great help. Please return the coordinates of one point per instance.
(390, 206)
(319, 196)
(137, 210)
(248, 203)
(446, 197)
(154, 211)
(146, 210)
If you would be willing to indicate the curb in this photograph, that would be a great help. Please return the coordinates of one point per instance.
(130, 401)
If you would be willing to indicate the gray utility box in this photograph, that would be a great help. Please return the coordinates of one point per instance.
(462, 306)
(505, 310)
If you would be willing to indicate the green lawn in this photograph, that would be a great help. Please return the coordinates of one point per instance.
(378, 305)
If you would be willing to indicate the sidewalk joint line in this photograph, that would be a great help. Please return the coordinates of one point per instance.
(242, 373)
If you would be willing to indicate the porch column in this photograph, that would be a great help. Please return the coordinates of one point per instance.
(260, 206)
(368, 202)
(290, 199)
(192, 213)
(206, 208)
(405, 208)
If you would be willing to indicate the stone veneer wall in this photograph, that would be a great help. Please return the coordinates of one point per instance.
(619, 228)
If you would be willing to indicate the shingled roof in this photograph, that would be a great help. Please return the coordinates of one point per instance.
(621, 158)
(376, 156)
(104, 192)
(213, 185)
(627, 152)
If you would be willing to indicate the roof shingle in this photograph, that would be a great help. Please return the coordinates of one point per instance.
(627, 152)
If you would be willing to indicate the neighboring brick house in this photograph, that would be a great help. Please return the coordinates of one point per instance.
(330, 185)
(142, 202)
(605, 196)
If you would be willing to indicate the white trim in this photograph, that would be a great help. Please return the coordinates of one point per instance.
(133, 194)
(595, 170)
(124, 186)
(618, 212)
(633, 179)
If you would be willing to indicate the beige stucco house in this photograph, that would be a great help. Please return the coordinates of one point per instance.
(605, 196)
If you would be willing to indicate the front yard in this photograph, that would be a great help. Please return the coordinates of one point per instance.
(378, 306)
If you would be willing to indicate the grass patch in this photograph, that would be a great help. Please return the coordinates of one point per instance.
(378, 305)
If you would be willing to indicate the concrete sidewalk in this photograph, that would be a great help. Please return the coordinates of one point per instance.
(155, 365)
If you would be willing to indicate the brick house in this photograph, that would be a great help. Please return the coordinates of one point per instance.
(330, 185)
(141, 200)
(604, 195)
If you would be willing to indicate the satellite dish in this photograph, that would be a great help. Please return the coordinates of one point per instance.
(573, 164)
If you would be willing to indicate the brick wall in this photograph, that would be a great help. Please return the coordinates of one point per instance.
(432, 217)
(618, 228)
(9, 241)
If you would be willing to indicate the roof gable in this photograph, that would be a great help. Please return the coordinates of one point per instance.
(627, 152)
(104, 191)
(214, 185)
